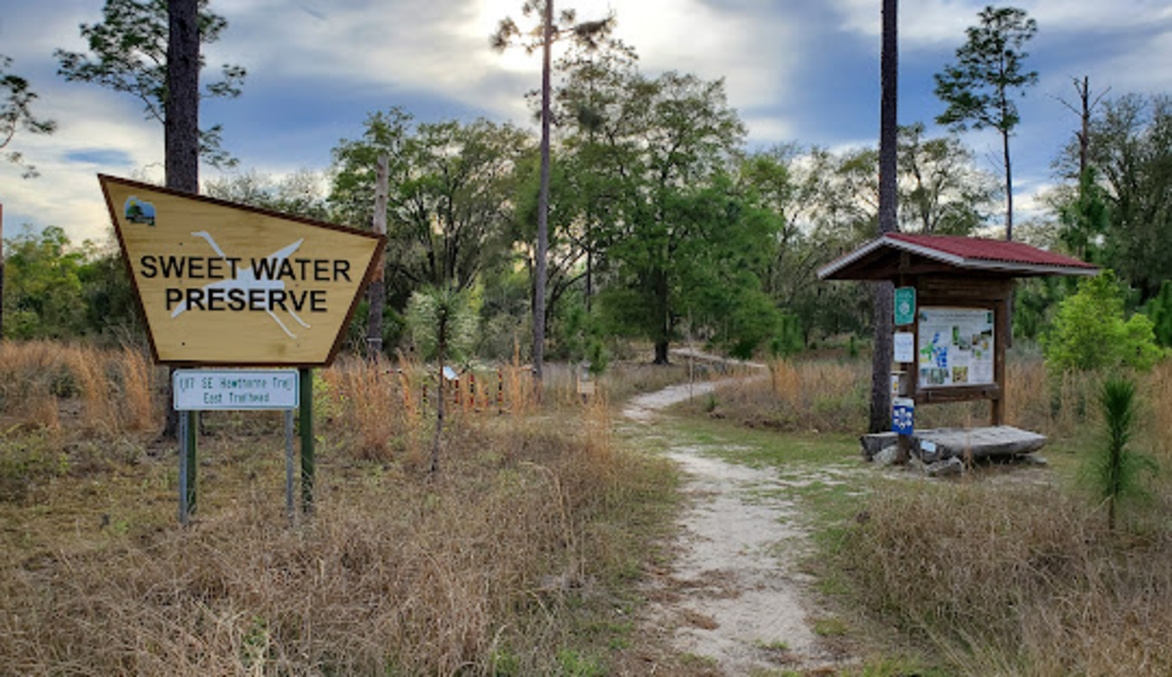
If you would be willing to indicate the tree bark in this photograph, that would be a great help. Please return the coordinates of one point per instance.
(881, 292)
(1084, 135)
(1008, 188)
(662, 355)
(181, 109)
(542, 204)
(439, 397)
(181, 123)
(376, 293)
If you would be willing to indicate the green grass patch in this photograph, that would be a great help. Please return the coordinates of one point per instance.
(768, 448)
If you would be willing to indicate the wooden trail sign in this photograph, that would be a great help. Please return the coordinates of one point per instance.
(220, 283)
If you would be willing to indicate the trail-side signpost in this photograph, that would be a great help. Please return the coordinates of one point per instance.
(226, 284)
(221, 284)
(231, 390)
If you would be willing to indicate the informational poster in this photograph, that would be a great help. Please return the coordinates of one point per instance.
(955, 347)
(903, 347)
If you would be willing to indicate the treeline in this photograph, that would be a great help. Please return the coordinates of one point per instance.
(664, 226)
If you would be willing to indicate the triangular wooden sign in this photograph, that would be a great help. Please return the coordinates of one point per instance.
(221, 283)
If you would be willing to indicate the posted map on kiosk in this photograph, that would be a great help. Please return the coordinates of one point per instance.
(955, 347)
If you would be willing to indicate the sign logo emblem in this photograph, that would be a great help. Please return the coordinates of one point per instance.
(138, 211)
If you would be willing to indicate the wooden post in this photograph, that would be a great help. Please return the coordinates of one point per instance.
(376, 292)
(1001, 331)
(307, 461)
(903, 442)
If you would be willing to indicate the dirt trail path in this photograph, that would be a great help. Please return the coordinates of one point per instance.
(733, 598)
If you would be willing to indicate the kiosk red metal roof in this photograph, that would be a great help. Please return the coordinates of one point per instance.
(876, 259)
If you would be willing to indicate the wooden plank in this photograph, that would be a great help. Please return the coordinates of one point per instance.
(960, 394)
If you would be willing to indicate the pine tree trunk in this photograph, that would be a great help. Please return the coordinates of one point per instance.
(882, 292)
(542, 205)
(439, 417)
(1, 272)
(1008, 188)
(181, 124)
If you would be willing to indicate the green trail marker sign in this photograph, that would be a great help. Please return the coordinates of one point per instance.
(905, 305)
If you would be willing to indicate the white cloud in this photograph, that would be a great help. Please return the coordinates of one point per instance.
(767, 130)
(943, 22)
(921, 22)
(443, 47)
(67, 193)
(398, 52)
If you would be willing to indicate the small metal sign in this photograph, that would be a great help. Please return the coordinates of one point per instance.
(235, 389)
(903, 415)
(905, 305)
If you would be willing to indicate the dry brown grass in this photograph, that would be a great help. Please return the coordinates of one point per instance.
(1013, 579)
(89, 369)
(497, 566)
(31, 377)
(814, 395)
(116, 391)
(140, 410)
(832, 396)
(1156, 395)
(359, 399)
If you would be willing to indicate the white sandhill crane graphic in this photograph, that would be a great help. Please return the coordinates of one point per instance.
(246, 280)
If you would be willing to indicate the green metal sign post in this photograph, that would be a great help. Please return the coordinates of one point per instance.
(307, 462)
(187, 466)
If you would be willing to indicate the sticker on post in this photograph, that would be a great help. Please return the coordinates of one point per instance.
(903, 414)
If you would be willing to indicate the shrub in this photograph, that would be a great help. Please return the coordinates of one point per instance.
(1159, 309)
(1089, 331)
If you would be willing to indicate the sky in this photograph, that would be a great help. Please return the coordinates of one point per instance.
(796, 71)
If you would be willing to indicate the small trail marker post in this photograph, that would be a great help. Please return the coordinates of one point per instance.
(221, 284)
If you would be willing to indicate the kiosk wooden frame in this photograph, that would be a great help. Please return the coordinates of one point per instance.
(960, 272)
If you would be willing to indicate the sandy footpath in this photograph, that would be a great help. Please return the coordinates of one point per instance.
(733, 596)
